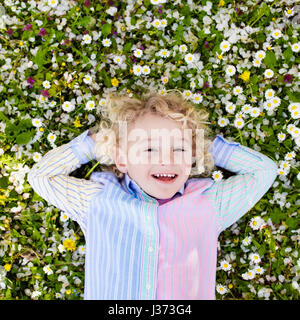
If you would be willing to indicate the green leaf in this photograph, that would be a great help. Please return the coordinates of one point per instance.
(84, 21)
(292, 222)
(106, 28)
(270, 59)
(3, 182)
(36, 234)
(23, 138)
(127, 47)
(288, 54)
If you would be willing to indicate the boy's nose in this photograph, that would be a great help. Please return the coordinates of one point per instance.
(166, 157)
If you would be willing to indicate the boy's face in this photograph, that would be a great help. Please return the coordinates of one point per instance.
(156, 145)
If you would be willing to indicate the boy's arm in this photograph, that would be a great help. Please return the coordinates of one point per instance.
(255, 173)
(49, 177)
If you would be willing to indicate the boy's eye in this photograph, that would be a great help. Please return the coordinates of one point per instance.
(177, 149)
(180, 149)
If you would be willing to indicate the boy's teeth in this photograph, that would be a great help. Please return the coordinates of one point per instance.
(164, 175)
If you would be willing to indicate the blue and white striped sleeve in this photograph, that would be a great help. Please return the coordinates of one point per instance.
(255, 174)
(49, 178)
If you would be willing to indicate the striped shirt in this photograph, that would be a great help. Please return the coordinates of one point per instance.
(138, 248)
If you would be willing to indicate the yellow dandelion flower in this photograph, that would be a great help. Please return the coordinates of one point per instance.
(114, 82)
(77, 123)
(221, 3)
(69, 244)
(245, 76)
(7, 266)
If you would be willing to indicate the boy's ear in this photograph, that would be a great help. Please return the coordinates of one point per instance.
(120, 159)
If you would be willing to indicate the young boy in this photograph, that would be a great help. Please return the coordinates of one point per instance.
(150, 235)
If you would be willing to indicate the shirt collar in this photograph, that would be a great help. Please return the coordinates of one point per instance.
(132, 185)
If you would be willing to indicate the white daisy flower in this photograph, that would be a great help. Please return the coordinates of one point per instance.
(137, 69)
(290, 128)
(269, 94)
(87, 79)
(269, 73)
(249, 275)
(276, 101)
(81, 250)
(36, 156)
(290, 155)
(87, 39)
(217, 175)
(187, 94)
(47, 270)
(155, 1)
(197, 98)
(268, 105)
(256, 63)
(246, 108)
(36, 122)
(163, 23)
(254, 257)
(61, 248)
(145, 70)
(51, 137)
(225, 265)
(285, 165)
(183, 48)
(138, 53)
(276, 34)
(164, 53)
(258, 270)
(118, 59)
(225, 46)
(255, 112)
(230, 70)
(239, 123)
(295, 114)
(46, 84)
(296, 132)
(294, 106)
(106, 42)
(52, 3)
(260, 54)
(64, 216)
(52, 104)
(68, 106)
(43, 99)
(256, 222)
(289, 12)
(164, 79)
(281, 136)
(156, 23)
(282, 172)
(35, 294)
(90, 105)
(295, 47)
(247, 241)
(189, 58)
(221, 289)
(230, 107)
(223, 122)
(237, 90)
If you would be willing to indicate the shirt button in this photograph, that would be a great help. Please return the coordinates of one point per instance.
(150, 249)
(148, 286)
(148, 217)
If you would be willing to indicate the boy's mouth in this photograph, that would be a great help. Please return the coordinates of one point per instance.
(165, 177)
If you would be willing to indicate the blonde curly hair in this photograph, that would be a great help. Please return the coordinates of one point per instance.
(172, 105)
